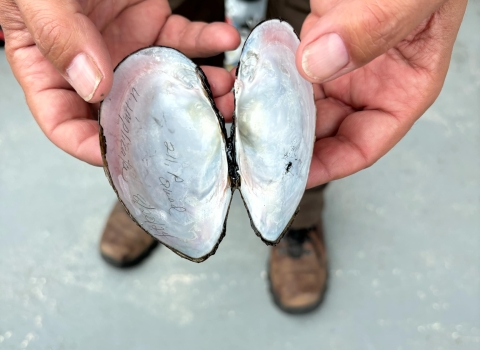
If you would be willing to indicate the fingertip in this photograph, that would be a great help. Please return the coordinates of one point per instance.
(233, 73)
(323, 58)
(96, 157)
(225, 105)
(102, 90)
(89, 151)
(319, 173)
(105, 85)
(92, 156)
(222, 35)
(220, 80)
(98, 70)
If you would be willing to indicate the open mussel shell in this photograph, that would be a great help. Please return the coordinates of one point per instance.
(168, 158)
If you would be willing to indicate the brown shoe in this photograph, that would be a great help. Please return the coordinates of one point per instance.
(298, 271)
(123, 242)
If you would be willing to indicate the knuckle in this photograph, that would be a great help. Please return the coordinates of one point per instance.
(377, 27)
(376, 15)
(52, 36)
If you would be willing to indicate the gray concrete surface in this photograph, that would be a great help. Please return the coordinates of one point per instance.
(403, 237)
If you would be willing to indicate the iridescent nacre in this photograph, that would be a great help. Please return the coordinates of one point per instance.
(275, 119)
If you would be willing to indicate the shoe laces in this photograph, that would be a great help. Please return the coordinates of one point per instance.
(295, 240)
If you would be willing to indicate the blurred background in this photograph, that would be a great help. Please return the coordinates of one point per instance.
(403, 239)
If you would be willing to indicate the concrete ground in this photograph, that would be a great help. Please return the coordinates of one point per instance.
(403, 237)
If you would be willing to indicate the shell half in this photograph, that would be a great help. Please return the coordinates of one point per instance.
(165, 151)
(275, 128)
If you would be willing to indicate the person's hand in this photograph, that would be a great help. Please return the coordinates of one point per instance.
(55, 47)
(376, 65)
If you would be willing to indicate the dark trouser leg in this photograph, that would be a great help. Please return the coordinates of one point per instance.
(311, 207)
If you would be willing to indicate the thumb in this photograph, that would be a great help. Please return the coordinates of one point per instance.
(347, 36)
(71, 42)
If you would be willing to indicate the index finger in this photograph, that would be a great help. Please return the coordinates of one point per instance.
(198, 39)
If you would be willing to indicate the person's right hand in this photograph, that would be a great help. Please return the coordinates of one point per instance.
(63, 52)
(376, 65)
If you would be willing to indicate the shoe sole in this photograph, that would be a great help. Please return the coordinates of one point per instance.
(133, 262)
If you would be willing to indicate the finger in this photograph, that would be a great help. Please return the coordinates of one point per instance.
(225, 105)
(330, 115)
(197, 39)
(128, 31)
(219, 79)
(71, 43)
(65, 118)
(308, 24)
(221, 83)
(233, 72)
(78, 136)
(354, 32)
(361, 140)
(69, 124)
